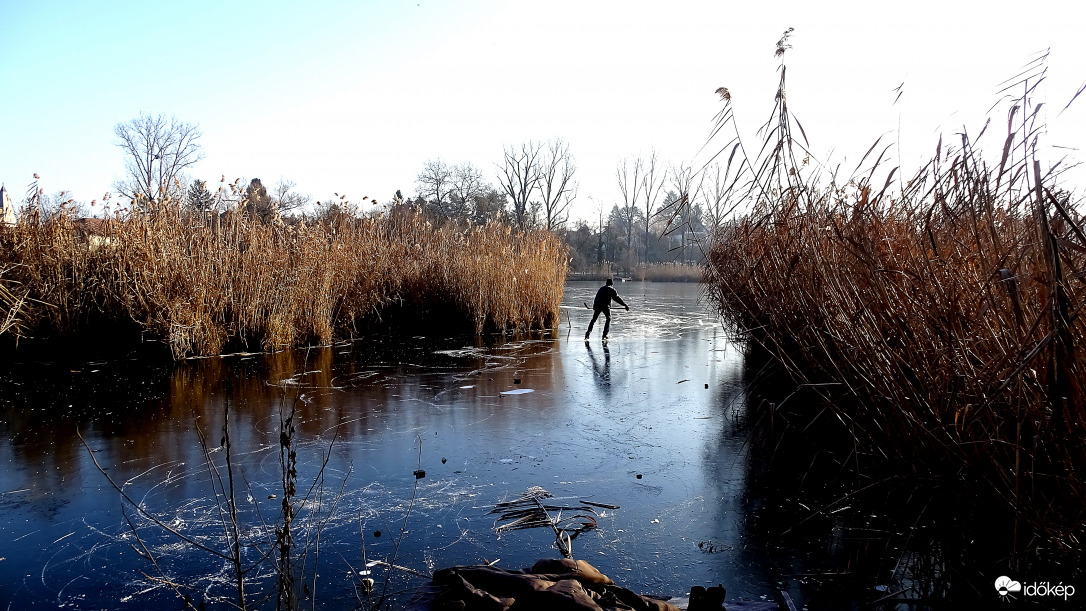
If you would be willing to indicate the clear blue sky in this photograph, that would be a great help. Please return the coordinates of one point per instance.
(353, 97)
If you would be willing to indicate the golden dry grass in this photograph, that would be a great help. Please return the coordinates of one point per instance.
(940, 322)
(668, 272)
(203, 283)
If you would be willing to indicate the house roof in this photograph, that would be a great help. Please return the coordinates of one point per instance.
(92, 226)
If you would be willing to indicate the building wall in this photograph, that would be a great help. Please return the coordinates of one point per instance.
(7, 211)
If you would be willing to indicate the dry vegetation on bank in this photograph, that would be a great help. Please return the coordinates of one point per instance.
(653, 272)
(668, 272)
(939, 316)
(202, 283)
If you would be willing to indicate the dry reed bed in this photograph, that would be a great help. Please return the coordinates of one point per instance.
(668, 272)
(201, 284)
(942, 325)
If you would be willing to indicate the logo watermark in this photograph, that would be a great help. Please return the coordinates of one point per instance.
(1007, 587)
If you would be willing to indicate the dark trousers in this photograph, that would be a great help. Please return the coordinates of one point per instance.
(606, 325)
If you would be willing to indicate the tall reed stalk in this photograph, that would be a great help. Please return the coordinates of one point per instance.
(939, 316)
(201, 283)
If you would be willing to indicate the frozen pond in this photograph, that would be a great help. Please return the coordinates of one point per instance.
(648, 422)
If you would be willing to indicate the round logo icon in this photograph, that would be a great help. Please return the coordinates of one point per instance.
(1005, 585)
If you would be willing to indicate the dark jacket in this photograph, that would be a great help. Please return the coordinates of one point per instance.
(604, 297)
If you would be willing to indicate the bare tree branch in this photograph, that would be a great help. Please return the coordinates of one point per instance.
(652, 178)
(467, 185)
(491, 205)
(157, 150)
(519, 179)
(630, 183)
(681, 206)
(289, 199)
(556, 169)
(435, 185)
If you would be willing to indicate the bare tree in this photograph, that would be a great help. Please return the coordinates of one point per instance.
(467, 185)
(600, 252)
(289, 199)
(630, 183)
(157, 150)
(556, 169)
(519, 179)
(718, 195)
(684, 190)
(61, 203)
(435, 184)
(652, 179)
(491, 205)
(624, 220)
(681, 205)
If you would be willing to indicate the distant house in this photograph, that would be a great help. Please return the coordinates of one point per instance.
(7, 211)
(94, 231)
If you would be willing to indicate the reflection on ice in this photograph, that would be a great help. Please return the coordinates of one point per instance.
(599, 423)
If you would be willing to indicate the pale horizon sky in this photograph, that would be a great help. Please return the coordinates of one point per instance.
(353, 97)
